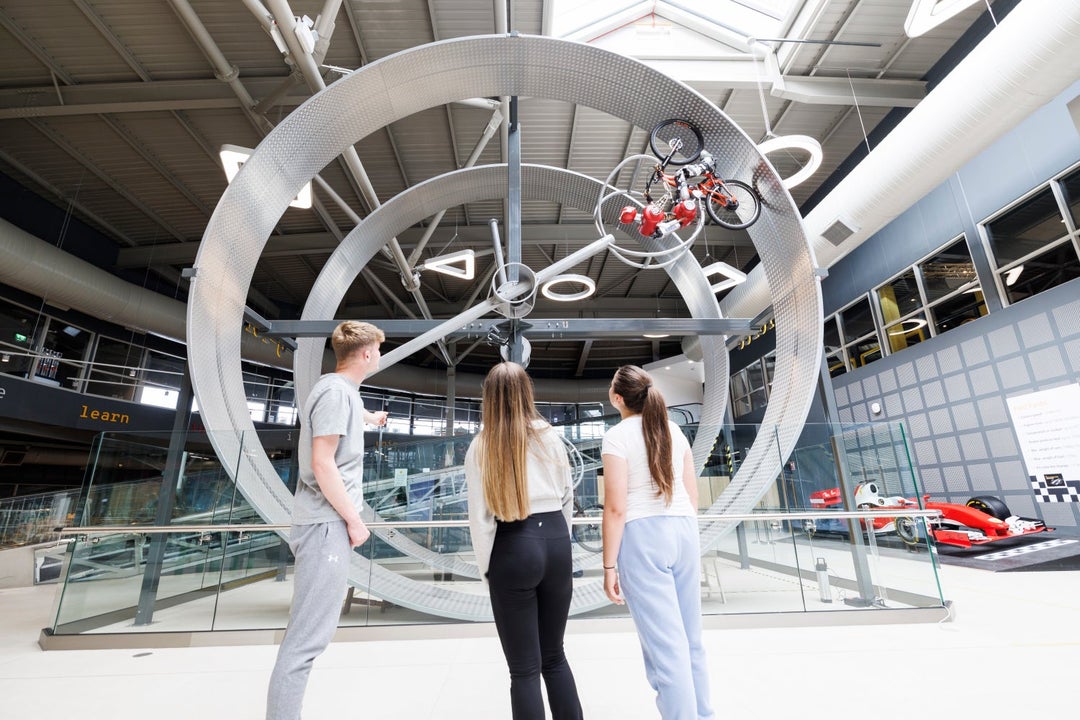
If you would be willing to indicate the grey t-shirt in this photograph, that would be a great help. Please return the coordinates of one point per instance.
(334, 407)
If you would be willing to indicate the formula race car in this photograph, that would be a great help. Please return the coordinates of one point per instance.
(983, 519)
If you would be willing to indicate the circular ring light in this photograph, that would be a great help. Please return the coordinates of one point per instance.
(795, 142)
(590, 287)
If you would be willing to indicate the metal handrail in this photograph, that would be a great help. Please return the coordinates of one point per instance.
(422, 524)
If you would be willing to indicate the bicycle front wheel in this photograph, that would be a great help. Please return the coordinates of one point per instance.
(588, 536)
(734, 205)
(680, 138)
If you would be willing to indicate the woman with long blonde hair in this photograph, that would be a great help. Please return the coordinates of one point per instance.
(652, 551)
(520, 504)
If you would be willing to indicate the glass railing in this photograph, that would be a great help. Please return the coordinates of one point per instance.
(240, 577)
(806, 543)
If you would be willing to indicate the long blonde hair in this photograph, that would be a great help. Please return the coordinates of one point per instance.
(509, 414)
(638, 394)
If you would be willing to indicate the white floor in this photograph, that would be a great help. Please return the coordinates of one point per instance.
(1012, 650)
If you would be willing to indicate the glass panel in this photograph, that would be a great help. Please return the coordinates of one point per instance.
(831, 336)
(857, 321)
(115, 369)
(899, 298)
(948, 271)
(1027, 227)
(18, 328)
(957, 310)
(1070, 184)
(754, 377)
(63, 343)
(837, 365)
(907, 332)
(1048, 270)
(770, 367)
(739, 386)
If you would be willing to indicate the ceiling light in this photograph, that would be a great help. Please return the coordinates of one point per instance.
(656, 335)
(5, 358)
(1012, 275)
(732, 276)
(233, 158)
(445, 264)
(796, 142)
(908, 326)
(585, 280)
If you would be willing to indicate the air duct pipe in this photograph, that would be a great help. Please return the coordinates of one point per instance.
(40, 268)
(1024, 63)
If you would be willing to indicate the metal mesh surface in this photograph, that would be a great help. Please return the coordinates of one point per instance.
(411, 81)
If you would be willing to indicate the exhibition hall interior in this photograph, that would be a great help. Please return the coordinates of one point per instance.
(842, 236)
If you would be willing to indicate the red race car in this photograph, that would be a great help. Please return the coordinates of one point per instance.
(983, 519)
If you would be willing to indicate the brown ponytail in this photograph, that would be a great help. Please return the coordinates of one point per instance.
(638, 394)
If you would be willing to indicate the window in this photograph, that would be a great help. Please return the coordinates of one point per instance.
(64, 349)
(860, 341)
(114, 371)
(18, 328)
(748, 386)
(953, 293)
(1035, 243)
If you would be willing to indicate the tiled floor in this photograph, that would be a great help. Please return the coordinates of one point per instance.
(1012, 650)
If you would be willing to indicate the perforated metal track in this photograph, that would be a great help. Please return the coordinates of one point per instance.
(405, 83)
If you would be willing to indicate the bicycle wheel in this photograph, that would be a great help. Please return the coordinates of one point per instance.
(588, 536)
(734, 205)
(687, 138)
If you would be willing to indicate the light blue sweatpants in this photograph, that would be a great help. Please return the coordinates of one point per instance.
(660, 577)
(322, 556)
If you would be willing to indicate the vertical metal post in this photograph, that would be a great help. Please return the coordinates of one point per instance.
(513, 216)
(174, 463)
(858, 544)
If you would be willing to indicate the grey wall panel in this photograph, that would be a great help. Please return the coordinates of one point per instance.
(871, 387)
(1072, 352)
(1036, 331)
(964, 416)
(975, 351)
(1067, 319)
(855, 393)
(940, 421)
(913, 401)
(1003, 441)
(933, 393)
(1014, 373)
(956, 482)
(1012, 478)
(888, 381)
(1003, 342)
(956, 388)
(926, 368)
(905, 375)
(948, 449)
(973, 446)
(926, 453)
(992, 411)
(931, 481)
(918, 425)
(984, 380)
(1048, 364)
(892, 405)
(949, 360)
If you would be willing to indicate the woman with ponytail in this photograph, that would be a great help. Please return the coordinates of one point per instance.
(520, 501)
(652, 555)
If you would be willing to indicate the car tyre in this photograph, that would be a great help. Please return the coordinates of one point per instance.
(990, 505)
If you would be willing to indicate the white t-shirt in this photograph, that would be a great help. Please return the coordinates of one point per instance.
(550, 488)
(627, 441)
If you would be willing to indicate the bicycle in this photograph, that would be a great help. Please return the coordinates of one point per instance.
(588, 536)
(731, 204)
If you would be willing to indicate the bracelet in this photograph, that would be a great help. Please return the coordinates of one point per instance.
(608, 567)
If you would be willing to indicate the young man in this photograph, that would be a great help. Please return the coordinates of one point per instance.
(326, 522)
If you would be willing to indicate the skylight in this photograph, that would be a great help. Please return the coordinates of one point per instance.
(588, 20)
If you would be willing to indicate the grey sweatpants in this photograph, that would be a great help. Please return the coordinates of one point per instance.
(322, 556)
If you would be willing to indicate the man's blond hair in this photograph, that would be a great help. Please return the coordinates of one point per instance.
(352, 336)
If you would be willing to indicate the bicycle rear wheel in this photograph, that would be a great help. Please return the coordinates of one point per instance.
(734, 205)
(588, 536)
(684, 134)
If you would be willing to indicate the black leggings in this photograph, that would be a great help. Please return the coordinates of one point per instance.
(530, 584)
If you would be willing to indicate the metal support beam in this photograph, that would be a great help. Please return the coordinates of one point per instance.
(547, 328)
(170, 477)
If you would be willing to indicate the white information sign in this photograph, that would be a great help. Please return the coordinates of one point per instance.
(401, 477)
(1047, 424)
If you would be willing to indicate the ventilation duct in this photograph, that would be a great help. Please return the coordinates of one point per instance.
(1023, 64)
